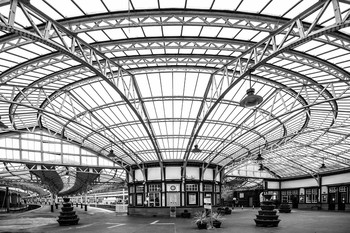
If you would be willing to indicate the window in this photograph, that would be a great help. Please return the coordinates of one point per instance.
(192, 199)
(208, 188)
(139, 189)
(139, 199)
(333, 189)
(154, 199)
(191, 187)
(311, 195)
(154, 195)
(154, 188)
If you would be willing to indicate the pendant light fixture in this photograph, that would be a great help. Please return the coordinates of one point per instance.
(111, 154)
(259, 158)
(323, 166)
(261, 167)
(196, 149)
(251, 99)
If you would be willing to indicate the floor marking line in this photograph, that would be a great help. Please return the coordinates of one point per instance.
(165, 223)
(118, 225)
(154, 222)
(85, 225)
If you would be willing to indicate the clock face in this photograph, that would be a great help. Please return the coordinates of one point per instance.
(173, 187)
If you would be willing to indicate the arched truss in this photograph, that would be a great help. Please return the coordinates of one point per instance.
(305, 96)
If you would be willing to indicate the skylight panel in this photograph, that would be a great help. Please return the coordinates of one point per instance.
(142, 4)
(191, 30)
(115, 33)
(85, 38)
(252, 6)
(134, 32)
(246, 34)
(210, 31)
(66, 7)
(22, 53)
(154, 31)
(171, 51)
(229, 32)
(91, 7)
(199, 4)
(279, 8)
(172, 30)
(47, 9)
(308, 46)
(157, 51)
(131, 53)
(302, 6)
(322, 49)
(172, 4)
(10, 58)
(98, 36)
(120, 5)
(225, 5)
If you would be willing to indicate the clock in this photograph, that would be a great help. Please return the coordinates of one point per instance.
(173, 188)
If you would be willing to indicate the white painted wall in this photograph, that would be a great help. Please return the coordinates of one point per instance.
(138, 175)
(208, 174)
(309, 182)
(172, 173)
(153, 173)
(336, 179)
(273, 185)
(192, 173)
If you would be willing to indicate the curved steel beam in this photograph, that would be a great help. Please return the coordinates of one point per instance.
(85, 60)
(245, 69)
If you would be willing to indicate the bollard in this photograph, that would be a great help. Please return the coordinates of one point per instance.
(81, 205)
(76, 204)
(85, 207)
(242, 207)
(51, 208)
(253, 206)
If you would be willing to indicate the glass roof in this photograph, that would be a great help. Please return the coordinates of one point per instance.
(151, 79)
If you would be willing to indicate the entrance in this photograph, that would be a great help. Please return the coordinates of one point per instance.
(332, 201)
(250, 201)
(173, 199)
(342, 197)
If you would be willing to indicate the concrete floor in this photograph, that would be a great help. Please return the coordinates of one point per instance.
(240, 221)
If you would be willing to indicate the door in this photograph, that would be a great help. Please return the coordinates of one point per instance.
(342, 201)
(173, 199)
(294, 200)
(250, 201)
(332, 201)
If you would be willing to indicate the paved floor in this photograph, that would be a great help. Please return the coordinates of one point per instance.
(240, 221)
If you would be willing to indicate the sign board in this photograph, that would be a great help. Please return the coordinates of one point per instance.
(206, 206)
(207, 200)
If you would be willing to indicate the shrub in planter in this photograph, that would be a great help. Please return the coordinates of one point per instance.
(216, 219)
(201, 219)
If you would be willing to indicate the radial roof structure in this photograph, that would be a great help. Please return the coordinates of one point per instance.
(152, 79)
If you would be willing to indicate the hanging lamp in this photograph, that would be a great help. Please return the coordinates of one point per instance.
(323, 166)
(259, 158)
(261, 167)
(251, 99)
(196, 149)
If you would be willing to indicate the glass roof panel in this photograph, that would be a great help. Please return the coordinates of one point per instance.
(66, 7)
(178, 81)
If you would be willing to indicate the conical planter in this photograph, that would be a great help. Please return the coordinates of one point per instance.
(267, 215)
(67, 215)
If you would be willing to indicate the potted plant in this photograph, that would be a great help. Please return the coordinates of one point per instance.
(201, 219)
(217, 219)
